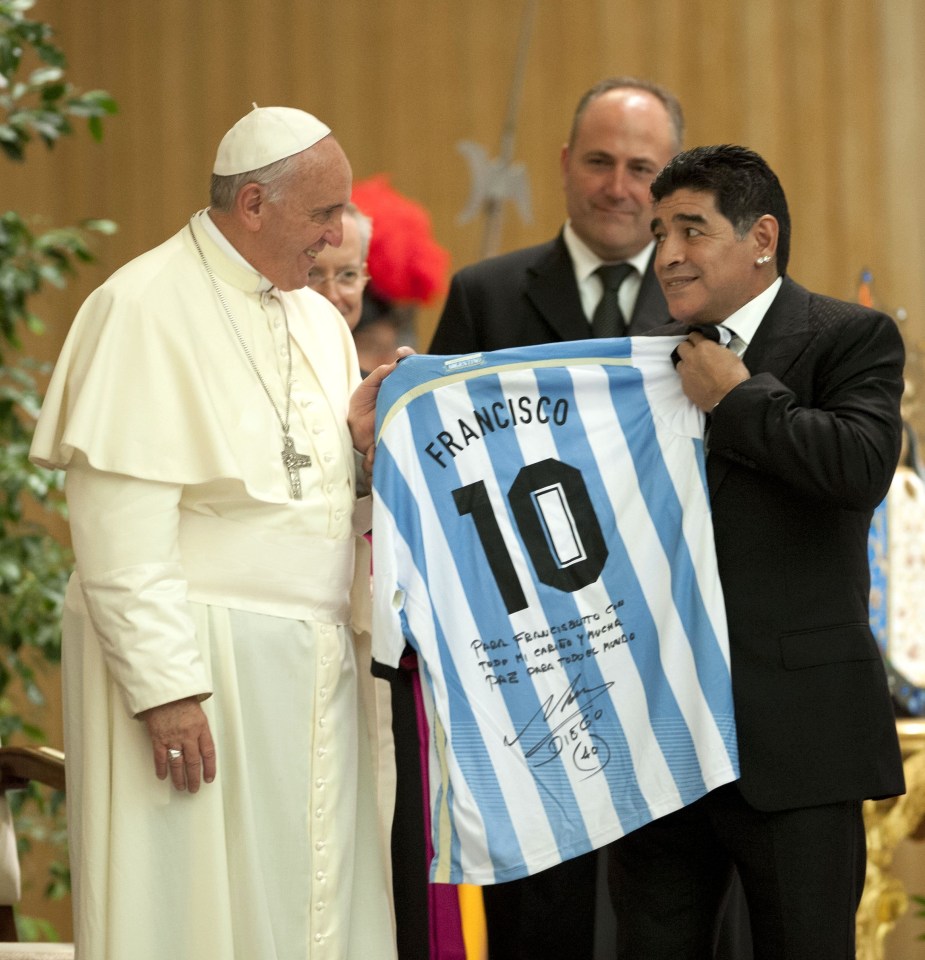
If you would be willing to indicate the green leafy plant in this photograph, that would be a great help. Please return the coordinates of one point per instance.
(37, 105)
(42, 104)
(35, 102)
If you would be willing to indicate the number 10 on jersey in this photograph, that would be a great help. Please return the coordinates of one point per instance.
(557, 523)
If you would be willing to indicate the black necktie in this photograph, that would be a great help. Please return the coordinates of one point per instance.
(608, 319)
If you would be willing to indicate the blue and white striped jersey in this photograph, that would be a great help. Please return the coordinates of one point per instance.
(542, 538)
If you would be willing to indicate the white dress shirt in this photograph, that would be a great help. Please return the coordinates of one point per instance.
(585, 263)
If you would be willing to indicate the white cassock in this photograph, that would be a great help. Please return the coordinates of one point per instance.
(199, 575)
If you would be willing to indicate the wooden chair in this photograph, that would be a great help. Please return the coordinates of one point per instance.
(19, 766)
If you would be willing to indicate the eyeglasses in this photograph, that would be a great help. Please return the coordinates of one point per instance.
(349, 278)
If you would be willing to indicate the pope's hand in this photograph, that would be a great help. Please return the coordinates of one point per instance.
(361, 416)
(181, 726)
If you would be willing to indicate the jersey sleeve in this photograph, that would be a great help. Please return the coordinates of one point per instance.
(388, 597)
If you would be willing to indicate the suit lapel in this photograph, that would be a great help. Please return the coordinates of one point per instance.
(552, 289)
(651, 310)
(782, 337)
(784, 332)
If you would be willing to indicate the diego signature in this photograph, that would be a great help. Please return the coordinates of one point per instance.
(563, 722)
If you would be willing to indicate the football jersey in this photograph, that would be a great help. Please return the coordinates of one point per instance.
(542, 538)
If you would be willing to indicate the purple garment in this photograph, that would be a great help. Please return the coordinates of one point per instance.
(446, 937)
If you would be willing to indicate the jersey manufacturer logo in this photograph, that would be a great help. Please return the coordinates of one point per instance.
(464, 363)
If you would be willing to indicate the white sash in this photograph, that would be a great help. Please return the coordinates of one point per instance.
(231, 564)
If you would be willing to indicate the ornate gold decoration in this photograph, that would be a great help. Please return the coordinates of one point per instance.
(888, 822)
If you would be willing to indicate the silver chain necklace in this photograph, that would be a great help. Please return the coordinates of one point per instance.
(293, 461)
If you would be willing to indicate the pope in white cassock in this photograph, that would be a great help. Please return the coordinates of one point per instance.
(220, 785)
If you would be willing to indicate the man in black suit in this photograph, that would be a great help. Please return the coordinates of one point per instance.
(803, 440)
(623, 132)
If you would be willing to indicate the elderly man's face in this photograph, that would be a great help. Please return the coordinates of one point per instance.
(340, 275)
(705, 270)
(623, 139)
(306, 218)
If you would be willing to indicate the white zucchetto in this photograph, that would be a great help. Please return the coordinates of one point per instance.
(265, 135)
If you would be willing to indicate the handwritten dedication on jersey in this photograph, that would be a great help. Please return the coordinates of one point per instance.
(542, 539)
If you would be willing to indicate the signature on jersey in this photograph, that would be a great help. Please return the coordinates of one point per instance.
(564, 726)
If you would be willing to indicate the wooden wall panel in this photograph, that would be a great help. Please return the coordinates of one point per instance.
(811, 85)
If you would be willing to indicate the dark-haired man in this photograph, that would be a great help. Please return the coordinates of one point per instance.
(803, 440)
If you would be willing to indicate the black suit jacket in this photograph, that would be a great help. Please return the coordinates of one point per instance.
(525, 297)
(799, 457)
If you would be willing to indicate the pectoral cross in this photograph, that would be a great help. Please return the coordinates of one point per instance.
(294, 461)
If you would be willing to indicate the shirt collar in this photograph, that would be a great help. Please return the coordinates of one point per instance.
(745, 321)
(229, 249)
(585, 261)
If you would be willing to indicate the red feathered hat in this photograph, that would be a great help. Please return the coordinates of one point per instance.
(406, 264)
